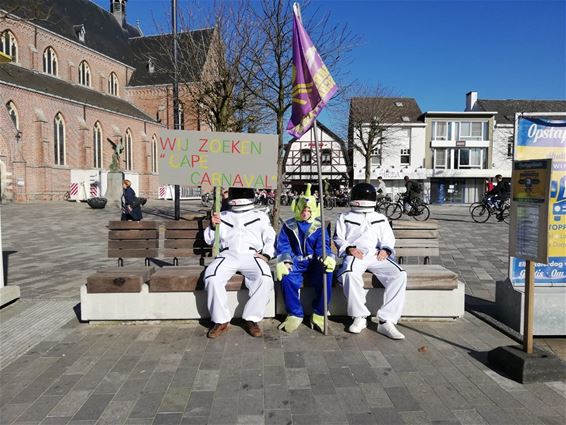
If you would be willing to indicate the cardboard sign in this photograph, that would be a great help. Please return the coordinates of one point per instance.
(205, 159)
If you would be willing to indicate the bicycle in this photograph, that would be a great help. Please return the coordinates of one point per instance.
(419, 210)
(382, 204)
(207, 199)
(481, 213)
(329, 202)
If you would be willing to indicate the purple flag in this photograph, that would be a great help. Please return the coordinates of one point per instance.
(313, 85)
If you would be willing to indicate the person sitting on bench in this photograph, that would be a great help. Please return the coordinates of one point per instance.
(299, 251)
(365, 239)
(246, 245)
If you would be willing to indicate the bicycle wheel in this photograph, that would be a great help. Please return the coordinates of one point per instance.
(472, 206)
(480, 214)
(422, 213)
(394, 211)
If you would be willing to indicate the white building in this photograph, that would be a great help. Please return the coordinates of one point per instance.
(402, 152)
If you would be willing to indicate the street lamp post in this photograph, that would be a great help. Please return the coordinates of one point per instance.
(176, 123)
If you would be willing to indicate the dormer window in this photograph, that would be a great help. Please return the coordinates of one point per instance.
(405, 118)
(150, 66)
(399, 104)
(80, 31)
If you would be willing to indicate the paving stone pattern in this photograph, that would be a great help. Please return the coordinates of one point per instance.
(67, 372)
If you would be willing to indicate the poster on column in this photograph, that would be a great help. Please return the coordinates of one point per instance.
(206, 159)
(537, 136)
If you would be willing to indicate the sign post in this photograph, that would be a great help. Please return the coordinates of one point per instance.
(529, 228)
(528, 241)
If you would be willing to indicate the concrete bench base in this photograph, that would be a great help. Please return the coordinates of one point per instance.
(433, 292)
(419, 304)
(147, 305)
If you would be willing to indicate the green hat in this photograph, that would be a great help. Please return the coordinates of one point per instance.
(306, 200)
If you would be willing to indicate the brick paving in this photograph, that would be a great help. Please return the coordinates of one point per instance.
(57, 370)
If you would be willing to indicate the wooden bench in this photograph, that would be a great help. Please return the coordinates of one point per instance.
(185, 238)
(433, 292)
(416, 239)
(170, 292)
(133, 239)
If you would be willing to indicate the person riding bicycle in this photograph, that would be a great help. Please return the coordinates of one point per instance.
(499, 195)
(412, 195)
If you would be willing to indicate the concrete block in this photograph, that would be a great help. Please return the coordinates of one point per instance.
(147, 305)
(538, 366)
(549, 309)
(9, 294)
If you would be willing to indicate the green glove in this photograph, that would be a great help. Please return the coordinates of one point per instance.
(329, 264)
(281, 270)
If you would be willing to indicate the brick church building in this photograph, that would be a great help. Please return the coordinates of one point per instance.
(81, 78)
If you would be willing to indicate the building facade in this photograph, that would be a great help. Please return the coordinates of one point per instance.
(402, 149)
(300, 166)
(75, 87)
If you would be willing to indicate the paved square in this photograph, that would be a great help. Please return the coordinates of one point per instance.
(56, 370)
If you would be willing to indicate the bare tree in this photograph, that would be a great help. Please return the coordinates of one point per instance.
(268, 72)
(373, 120)
(210, 69)
(31, 11)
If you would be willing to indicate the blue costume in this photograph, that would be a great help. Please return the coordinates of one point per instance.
(300, 243)
(299, 255)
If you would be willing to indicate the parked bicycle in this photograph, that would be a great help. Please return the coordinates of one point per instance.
(482, 212)
(207, 199)
(329, 202)
(382, 204)
(418, 211)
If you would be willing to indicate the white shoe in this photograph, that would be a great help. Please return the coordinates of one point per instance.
(360, 323)
(389, 330)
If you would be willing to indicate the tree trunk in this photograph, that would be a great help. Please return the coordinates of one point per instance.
(368, 167)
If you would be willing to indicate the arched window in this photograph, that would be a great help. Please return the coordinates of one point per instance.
(59, 139)
(9, 45)
(154, 166)
(128, 153)
(13, 112)
(50, 61)
(84, 74)
(97, 145)
(113, 84)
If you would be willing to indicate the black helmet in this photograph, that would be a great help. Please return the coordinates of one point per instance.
(241, 198)
(363, 195)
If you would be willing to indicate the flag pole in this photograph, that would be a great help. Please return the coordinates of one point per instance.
(321, 204)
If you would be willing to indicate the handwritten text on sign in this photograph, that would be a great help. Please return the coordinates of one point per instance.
(200, 158)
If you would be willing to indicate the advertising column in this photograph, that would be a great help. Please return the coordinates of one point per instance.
(537, 138)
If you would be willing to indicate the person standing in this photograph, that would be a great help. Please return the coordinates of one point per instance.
(366, 241)
(131, 208)
(246, 245)
(381, 188)
(299, 255)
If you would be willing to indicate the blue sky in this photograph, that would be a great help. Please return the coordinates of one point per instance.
(437, 51)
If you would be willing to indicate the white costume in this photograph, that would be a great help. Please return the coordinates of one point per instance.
(242, 236)
(369, 232)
